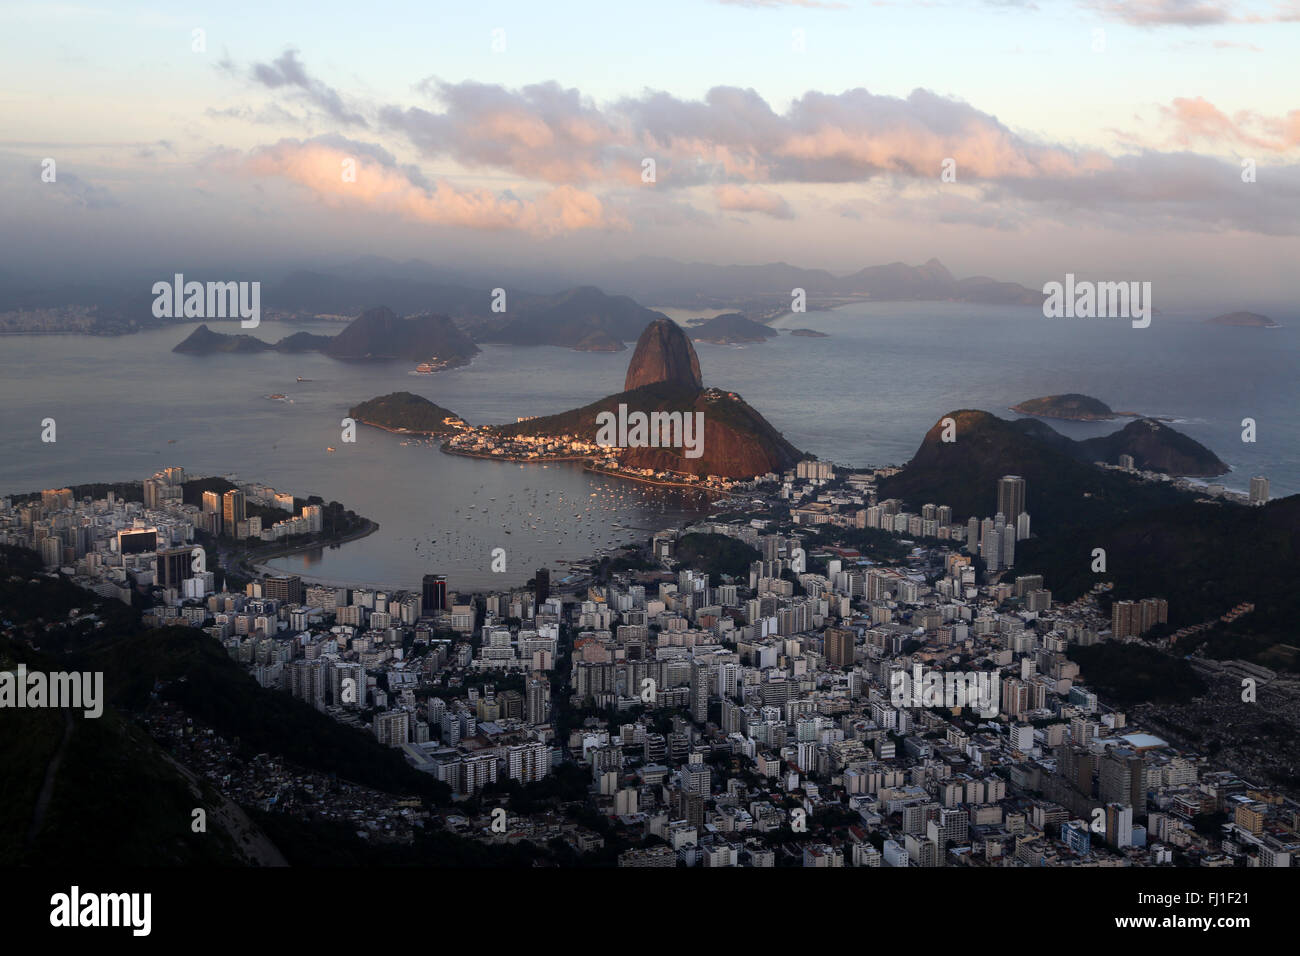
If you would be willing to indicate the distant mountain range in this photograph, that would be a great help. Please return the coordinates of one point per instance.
(762, 288)
(1244, 319)
(375, 334)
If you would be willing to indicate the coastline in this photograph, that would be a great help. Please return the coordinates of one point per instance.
(255, 562)
(591, 468)
(402, 431)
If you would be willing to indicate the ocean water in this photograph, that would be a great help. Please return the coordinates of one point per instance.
(125, 407)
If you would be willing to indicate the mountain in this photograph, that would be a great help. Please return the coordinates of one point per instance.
(379, 333)
(731, 327)
(664, 376)
(738, 441)
(1203, 558)
(1155, 447)
(759, 288)
(376, 333)
(203, 341)
(1061, 488)
(47, 820)
(583, 318)
(663, 354)
(302, 342)
(1244, 319)
(329, 293)
(1070, 407)
(404, 411)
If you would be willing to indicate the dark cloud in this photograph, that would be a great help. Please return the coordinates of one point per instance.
(286, 71)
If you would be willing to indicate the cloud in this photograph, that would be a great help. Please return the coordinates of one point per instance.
(73, 189)
(1191, 13)
(752, 199)
(542, 131)
(1174, 190)
(382, 185)
(1197, 119)
(733, 145)
(732, 135)
(286, 71)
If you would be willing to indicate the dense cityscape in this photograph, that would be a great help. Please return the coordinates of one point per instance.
(692, 706)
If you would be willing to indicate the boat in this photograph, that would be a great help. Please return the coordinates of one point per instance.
(301, 379)
(330, 448)
(424, 368)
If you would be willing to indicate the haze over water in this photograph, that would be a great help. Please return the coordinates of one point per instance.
(863, 396)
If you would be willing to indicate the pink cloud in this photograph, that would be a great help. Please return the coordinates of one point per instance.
(752, 199)
(381, 186)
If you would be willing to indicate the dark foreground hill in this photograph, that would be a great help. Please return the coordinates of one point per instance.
(1061, 488)
(1203, 557)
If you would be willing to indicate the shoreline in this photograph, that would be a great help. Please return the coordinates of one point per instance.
(402, 431)
(592, 469)
(522, 461)
(247, 560)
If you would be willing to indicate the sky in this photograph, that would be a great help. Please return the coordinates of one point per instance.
(1086, 136)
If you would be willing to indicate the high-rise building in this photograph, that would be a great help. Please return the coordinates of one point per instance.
(435, 593)
(283, 587)
(1119, 825)
(1011, 496)
(991, 545)
(56, 499)
(137, 540)
(538, 702)
(174, 566)
(701, 678)
(211, 502)
(1131, 618)
(839, 646)
(234, 508)
(542, 585)
(1258, 490)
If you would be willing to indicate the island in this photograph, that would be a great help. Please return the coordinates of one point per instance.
(1251, 320)
(407, 413)
(375, 334)
(809, 334)
(1071, 407)
(663, 380)
(732, 328)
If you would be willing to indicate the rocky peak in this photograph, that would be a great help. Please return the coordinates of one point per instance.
(663, 353)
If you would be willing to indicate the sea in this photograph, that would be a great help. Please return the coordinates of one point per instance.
(127, 406)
